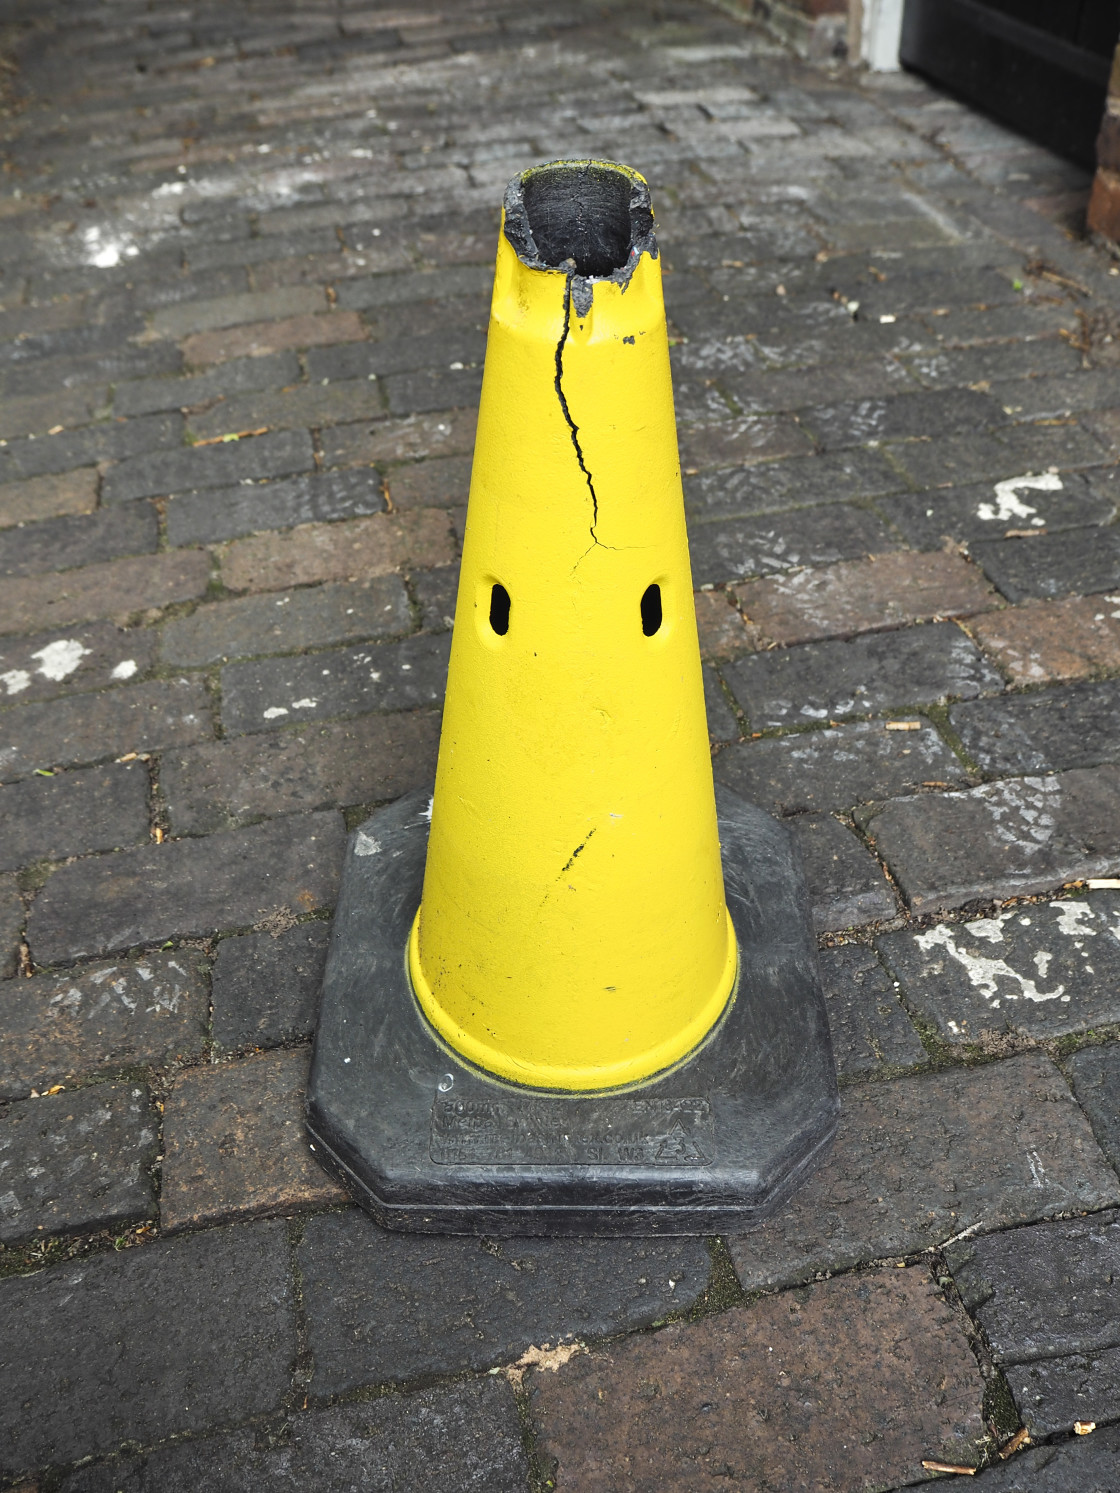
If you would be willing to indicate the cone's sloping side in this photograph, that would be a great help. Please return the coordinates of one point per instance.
(573, 931)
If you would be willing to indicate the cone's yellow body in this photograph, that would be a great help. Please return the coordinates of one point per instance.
(573, 932)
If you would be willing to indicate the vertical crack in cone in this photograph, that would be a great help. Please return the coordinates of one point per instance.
(573, 931)
(572, 426)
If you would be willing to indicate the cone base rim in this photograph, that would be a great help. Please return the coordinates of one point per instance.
(428, 1143)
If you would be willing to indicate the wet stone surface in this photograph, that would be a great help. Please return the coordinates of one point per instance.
(178, 1336)
(93, 808)
(1043, 731)
(385, 1307)
(840, 766)
(266, 987)
(1096, 1082)
(188, 887)
(76, 1162)
(762, 1395)
(847, 887)
(820, 681)
(987, 510)
(1011, 838)
(871, 1032)
(730, 549)
(918, 1160)
(59, 1026)
(388, 676)
(1047, 1298)
(465, 1437)
(1041, 971)
(236, 1145)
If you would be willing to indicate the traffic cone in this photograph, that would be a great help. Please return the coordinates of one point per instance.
(589, 1031)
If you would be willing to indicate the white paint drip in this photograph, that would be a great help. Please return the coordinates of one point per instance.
(1038, 1171)
(124, 670)
(1074, 919)
(103, 251)
(1008, 506)
(427, 813)
(307, 704)
(985, 974)
(273, 711)
(15, 680)
(60, 658)
(1042, 963)
(365, 844)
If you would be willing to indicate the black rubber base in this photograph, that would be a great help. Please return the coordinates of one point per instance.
(428, 1143)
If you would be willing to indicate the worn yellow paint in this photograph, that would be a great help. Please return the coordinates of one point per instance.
(573, 932)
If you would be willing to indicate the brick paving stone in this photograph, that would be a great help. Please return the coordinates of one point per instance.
(919, 1160)
(113, 588)
(59, 1027)
(187, 888)
(433, 389)
(235, 1144)
(333, 613)
(266, 986)
(258, 696)
(435, 592)
(362, 444)
(871, 1033)
(723, 633)
(1105, 425)
(81, 658)
(48, 497)
(91, 727)
(327, 552)
(11, 921)
(142, 396)
(75, 1162)
(1049, 565)
(774, 390)
(236, 310)
(39, 413)
(838, 767)
(1046, 1297)
(774, 485)
(734, 548)
(94, 808)
(258, 339)
(858, 596)
(298, 407)
(943, 367)
(82, 539)
(722, 722)
(158, 475)
(944, 412)
(362, 761)
(847, 887)
(384, 1308)
(181, 1335)
(952, 461)
(116, 441)
(465, 1437)
(740, 440)
(1043, 731)
(442, 482)
(820, 681)
(987, 510)
(1096, 1082)
(847, 1385)
(228, 512)
(1013, 838)
(1044, 641)
(1041, 971)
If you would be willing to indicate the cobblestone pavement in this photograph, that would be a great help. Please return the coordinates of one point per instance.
(246, 257)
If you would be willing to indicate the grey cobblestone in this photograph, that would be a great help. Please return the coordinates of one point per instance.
(730, 549)
(227, 512)
(1044, 731)
(178, 1336)
(94, 808)
(77, 1161)
(60, 1027)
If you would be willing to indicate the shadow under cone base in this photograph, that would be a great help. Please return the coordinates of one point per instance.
(428, 1143)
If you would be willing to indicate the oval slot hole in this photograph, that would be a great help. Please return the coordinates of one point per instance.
(499, 610)
(651, 610)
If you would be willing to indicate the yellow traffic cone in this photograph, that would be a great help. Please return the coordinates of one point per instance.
(573, 990)
(573, 932)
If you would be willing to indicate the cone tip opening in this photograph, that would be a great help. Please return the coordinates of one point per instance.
(588, 218)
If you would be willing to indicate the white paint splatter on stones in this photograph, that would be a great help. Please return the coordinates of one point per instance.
(58, 660)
